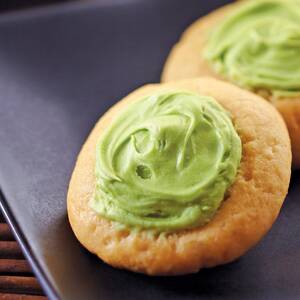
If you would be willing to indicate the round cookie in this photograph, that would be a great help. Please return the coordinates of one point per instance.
(252, 205)
(186, 61)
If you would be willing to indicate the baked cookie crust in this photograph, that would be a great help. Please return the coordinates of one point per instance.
(248, 212)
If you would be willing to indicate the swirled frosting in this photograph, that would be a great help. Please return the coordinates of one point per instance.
(258, 46)
(165, 162)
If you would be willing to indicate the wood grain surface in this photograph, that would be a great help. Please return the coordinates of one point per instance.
(17, 282)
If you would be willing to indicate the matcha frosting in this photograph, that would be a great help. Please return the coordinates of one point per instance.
(165, 162)
(258, 46)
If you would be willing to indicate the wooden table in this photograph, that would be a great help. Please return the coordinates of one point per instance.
(17, 282)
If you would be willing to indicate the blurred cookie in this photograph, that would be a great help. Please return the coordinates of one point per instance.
(254, 44)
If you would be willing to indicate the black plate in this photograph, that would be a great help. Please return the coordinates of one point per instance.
(60, 69)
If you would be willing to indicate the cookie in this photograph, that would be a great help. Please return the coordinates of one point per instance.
(249, 210)
(193, 57)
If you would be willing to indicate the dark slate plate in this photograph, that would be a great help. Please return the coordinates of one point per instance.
(60, 69)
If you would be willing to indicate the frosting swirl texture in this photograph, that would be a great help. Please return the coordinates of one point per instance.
(258, 46)
(166, 161)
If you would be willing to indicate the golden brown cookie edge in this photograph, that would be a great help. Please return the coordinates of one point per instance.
(254, 202)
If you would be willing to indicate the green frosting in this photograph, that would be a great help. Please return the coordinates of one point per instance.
(258, 46)
(165, 162)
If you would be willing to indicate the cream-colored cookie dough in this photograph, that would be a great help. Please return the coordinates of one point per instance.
(186, 61)
(252, 205)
